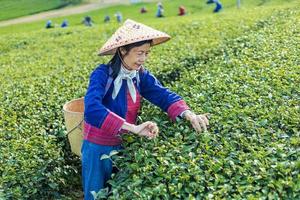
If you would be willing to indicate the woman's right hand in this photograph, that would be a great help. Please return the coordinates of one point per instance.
(148, 129)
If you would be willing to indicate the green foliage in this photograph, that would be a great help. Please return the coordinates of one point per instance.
(242, 67)
(250, 85)
(17, 8)
(198, 10)
(33, 167)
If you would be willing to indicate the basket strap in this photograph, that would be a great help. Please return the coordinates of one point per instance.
(108, 84)
(78, 126)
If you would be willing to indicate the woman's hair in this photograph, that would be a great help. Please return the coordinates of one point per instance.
(115, 62)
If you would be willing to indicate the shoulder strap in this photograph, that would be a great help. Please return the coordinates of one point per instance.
(138, 79)
(109, 81)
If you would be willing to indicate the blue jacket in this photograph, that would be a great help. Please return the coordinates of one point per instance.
(99, 103)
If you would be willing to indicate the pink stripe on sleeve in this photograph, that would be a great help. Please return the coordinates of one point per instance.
(112, 123)
(177, 108)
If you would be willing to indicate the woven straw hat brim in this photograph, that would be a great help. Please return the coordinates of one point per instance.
(155, 41)
(132, 32)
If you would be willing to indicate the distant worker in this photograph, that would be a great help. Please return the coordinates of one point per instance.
(159, 4)
(218, 5)
(64, 24)
(182, 11)
(87, 21)
(106, 19)
(49, 24)
(135, 1)
(143, 10)
(119, 17)
(238, 3)
(160, 10)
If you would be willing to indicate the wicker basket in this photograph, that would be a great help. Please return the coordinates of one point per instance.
(73, 113)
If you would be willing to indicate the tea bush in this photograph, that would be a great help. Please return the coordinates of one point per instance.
(250, 85)
(242, 68)
(12, 9)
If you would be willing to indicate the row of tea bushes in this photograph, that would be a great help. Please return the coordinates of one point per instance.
(250, 85)
(40, 71)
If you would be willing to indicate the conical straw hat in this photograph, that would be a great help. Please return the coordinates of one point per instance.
(131, 32)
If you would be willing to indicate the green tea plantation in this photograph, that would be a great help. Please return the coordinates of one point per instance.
(241, 65)
(12, 9)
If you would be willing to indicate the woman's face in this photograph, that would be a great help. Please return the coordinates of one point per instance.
(136, 56)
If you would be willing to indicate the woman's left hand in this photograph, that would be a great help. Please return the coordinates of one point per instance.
(199, 122)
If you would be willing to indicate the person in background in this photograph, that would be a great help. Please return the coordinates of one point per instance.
(238, 3)
(182, 11)
(87, 21)
(160, 10)
(49, 24)
(143, 10)
(135, 1)
(113, 100)
(119, 17)
(64, 24)
(106, 19)
(218, 5)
